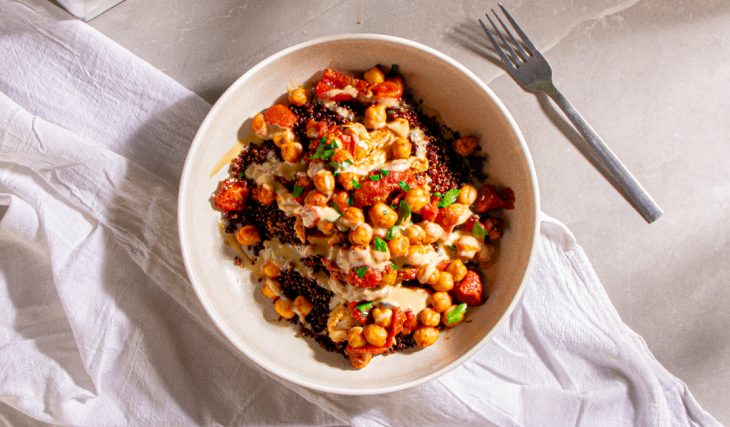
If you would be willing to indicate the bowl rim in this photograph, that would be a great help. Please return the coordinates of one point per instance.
(182, 228)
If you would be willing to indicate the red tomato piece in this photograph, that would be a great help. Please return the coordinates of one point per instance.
(232, 195)
(431, 211)
(280, 115)
(469, 289)
(357, 314)
(333, 79)
(372, 192)
(489, 198)
(371, 279)
(407, 273)
(410, 323)
(392, 88)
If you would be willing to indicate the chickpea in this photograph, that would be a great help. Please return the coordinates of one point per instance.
(375, 117)
(324, 181)
(345, 179)
(303, 306)
(428, 317)
(270, 269)
(291, 152)
(486, 253)
(374, 75)
(416, 235)
(467, 195)
(465, 145)
(417, 198)
(342, 156)
(248, 235)
(389, 278)
(381, 215)
(399, 246)
(298, 96)
(271, 289)
(417, 254)
(440, 301)
(283, 308)
(264, 194)
(352, 217)
(467, 246)
(426, 336)
(283, 137)
(426, 275)
(355, 337)
(315, 198)
(383, 316)
(444, 283)
(401, 148)
(340, 200)
(457, 269)
(433, 232)
(419, 164)
(453, 215)
(326, 227)
(361, 235)
(359, 361)
(258, 126)
(375, 335)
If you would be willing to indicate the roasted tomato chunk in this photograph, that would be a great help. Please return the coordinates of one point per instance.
(469, 289)
(372, 192)
(232, 195)
(370, 279)
(332, 80)
(280, 115)
(391, 88)
(431, 211)
(489, 198)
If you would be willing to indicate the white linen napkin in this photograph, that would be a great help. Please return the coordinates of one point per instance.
(98, 324)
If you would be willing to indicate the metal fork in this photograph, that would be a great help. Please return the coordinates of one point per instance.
(529, 68)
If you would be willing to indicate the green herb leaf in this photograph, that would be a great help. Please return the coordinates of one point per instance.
(384, 172)
(478, 231)
(364, 307)
(403, 185)
(456, 314)
(360, 271)
(390, 234)
(297, 191)
(323, 140)
(437, 195)
(333, 205)
(375, 177)
(380, 245)
(355, 184)
(404, 211)
(241, 175)
(395, 267)
(449, 198)
(349, 200)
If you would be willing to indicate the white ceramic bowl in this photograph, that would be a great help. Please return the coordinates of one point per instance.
(234, 303)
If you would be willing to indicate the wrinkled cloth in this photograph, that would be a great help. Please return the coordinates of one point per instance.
(99, 325)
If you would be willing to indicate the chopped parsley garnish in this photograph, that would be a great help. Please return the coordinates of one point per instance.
(437, 195)
(384, 172)
(390, 234)
(349, 200)
(404, 211)
(456, 314)
(478, 231)
(360, 271)
(395, 267)
(323, 140)
(380, 245)
(404, 186)
(324, 151)
(364, 307)
(241, 175)
(333, 205)
(297, 191)
(449, 198)
(355, 184)
(375, 177)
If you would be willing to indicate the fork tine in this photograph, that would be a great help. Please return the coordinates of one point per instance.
(499, 50)
(523, 36)
(509, 33)
(516, 59)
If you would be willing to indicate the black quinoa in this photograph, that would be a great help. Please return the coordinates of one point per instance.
(314, 263)
(294, 284)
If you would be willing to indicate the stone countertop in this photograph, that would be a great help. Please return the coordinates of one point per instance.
(651, 76)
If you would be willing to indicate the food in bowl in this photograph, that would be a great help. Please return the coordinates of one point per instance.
(367, 222)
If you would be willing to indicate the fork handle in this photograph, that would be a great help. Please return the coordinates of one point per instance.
(604, 157)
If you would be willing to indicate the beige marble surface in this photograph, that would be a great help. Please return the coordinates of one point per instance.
(651, 76)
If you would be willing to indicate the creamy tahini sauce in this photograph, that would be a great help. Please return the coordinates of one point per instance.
(414, 299)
